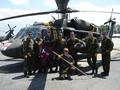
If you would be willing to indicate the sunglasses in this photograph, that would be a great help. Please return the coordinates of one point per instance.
(65, 51)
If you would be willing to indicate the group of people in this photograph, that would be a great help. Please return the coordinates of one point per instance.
(92, 47)
(39, 53)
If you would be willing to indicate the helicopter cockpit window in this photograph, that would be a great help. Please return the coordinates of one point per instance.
(19, 33)
(23, 32)
(34, 31)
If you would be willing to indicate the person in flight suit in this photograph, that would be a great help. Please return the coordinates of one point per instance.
(72, 41)
(59, 45)
(92, 47)
(65, 68)
(37, 48)
(48, 44)
(28, 55)
(106, 48)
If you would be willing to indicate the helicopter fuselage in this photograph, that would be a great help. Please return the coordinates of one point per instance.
(13, 48)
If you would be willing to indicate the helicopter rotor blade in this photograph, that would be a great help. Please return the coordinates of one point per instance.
(7, 31)
(14, 27)
(9, 26)
(40, 13)
(99, 11)
(25, 15)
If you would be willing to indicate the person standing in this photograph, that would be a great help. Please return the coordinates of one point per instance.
(92, 47)
(46, 55)
(72, 41)
(28, 55)
(37, 49)
(59, 45)
(106, 48)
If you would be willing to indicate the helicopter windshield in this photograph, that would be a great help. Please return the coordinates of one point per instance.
(24, 31)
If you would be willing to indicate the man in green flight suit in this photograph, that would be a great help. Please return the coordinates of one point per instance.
(66, 68)
(92, 47)
(106, 48)
(71, 42)
(28, 55)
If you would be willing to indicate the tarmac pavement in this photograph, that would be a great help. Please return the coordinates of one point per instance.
(11, 76)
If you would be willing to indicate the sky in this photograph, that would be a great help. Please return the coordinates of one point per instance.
(17, 7)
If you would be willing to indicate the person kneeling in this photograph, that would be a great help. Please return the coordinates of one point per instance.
(66, 68)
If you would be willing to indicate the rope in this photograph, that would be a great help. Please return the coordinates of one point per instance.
(71, 64)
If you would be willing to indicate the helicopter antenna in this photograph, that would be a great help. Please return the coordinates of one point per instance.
(111, 14)
(111, 25)
(53, 17)
(110, 20)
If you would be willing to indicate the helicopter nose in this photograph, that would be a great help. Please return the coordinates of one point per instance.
(13, 50)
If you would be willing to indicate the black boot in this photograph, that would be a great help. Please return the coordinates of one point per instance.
(93, 71)
(56, 69)
(96, 71)
(51, 70)
(26, 75)
(68, 77)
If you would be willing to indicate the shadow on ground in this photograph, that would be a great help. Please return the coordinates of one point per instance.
(38, 82)
(12, 68)
(10, 60)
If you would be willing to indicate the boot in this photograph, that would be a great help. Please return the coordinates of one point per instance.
(96, 71)
(69, 77)
(26, 75)
(62, 77)
(93, 71)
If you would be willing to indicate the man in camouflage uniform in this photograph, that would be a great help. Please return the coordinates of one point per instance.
(106, 48)
(92, 47)
(37, 49)
(28, 55)
(59, 45)
(66, 68)
(71, 46)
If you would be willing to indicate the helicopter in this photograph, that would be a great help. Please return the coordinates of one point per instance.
(13, 48)
(9, 33)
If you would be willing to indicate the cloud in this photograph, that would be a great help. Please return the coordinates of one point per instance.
(19, 2)
(20, 22)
